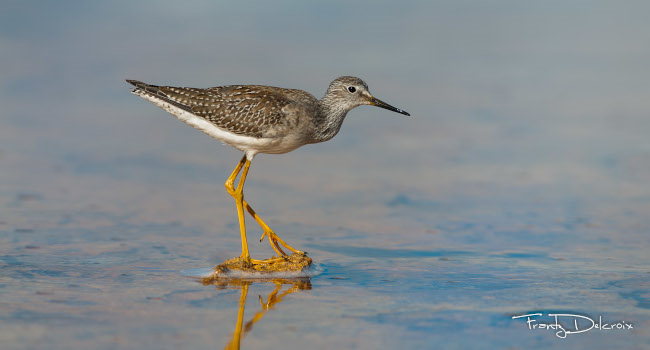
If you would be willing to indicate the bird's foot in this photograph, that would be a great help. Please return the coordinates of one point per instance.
(274, 239)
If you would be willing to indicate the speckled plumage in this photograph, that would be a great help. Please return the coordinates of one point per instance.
(262, 119)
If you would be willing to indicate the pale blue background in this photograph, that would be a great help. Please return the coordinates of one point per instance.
(519, 185)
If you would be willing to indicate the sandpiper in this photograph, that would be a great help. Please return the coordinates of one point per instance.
(262, 119)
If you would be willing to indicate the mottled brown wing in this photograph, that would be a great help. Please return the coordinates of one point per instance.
(242, 109)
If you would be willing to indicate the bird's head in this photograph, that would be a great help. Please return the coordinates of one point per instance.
(350, 92)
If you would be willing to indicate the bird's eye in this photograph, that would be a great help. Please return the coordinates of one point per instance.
(352, 89)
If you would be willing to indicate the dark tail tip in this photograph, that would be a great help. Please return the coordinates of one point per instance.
(136, 83)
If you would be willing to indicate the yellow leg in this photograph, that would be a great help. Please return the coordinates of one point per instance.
(237, 334)
(271, 300)
(266, 228)
(238, 195)
(274, 298)
(274, 239)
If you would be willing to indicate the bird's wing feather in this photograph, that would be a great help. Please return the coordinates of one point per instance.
(250, 110)
(242, 109)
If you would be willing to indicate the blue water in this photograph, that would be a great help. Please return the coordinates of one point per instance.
(519, 186)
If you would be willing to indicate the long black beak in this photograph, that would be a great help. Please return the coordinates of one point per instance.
(379, 103)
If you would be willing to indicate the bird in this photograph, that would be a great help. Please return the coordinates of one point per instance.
(262, 119)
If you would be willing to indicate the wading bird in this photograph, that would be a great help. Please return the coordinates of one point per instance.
(262, 119)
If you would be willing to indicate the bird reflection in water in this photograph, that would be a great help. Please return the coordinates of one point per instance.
(283, 287)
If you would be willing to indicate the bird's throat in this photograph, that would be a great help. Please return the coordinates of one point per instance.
(331, 118)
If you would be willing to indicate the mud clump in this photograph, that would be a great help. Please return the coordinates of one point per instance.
(240, 268)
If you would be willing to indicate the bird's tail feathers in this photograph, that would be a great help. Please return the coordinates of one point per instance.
(147, 91)
(144, 87)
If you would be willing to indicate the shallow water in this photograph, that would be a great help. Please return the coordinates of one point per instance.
(519, 186)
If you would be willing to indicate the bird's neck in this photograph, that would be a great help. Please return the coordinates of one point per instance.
(330, 118)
